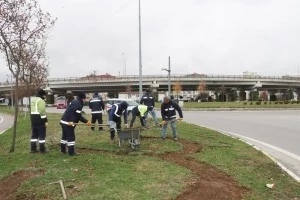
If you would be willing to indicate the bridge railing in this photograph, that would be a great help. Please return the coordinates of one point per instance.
(153, 77)
(174, 76)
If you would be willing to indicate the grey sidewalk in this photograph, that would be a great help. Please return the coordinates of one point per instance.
(6, 121)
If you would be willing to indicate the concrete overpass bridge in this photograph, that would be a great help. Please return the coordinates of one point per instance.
(160, 83)
(189, 82)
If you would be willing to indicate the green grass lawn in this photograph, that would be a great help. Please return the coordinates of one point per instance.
(105, 171)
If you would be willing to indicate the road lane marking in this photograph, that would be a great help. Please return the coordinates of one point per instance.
(244, 138)
(1, 120)
(268, 145)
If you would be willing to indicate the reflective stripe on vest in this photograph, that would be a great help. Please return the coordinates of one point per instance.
(95, 112)
(117, 108)
(95, 100)
(64, 122)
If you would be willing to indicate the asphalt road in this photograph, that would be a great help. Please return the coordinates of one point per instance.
(276, 133)
(6, 121)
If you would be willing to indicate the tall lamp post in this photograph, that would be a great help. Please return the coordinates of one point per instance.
(124, 64)
(140, 53)
(169, 72)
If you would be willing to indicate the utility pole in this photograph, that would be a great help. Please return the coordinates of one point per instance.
(169, 72)
(140, 54)
(124, 64)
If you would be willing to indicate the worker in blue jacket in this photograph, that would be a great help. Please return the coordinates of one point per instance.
(70, 118)
(168, 114)
(115, 114)
(97, 106)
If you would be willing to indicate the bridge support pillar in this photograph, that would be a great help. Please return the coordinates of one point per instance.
(154, 86)
(248, 95)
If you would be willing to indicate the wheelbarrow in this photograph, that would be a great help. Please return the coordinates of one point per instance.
(132, 136)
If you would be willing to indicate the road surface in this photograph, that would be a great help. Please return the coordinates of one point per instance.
(6, 121)
(276, 133)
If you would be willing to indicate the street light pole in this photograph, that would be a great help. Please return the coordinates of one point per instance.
(124, 64)
(140, 53)
(169, 72)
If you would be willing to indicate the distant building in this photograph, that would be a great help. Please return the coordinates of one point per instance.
(98, 77)
(247, 74)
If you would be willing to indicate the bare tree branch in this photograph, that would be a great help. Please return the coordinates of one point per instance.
(24, 27)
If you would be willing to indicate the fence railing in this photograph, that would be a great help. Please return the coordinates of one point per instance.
(174, 76)
(153, 77)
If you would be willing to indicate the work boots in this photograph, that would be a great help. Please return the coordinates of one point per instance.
(71, 151)
(42, 148)
(33, 147)
(63, 148)
(112, 133)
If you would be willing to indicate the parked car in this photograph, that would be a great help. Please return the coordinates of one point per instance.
(131, 104)
(2, 100)
(61, 102)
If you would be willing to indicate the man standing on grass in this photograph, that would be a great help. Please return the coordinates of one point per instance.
(68, 122)
(168, 114)
(97, 106)
(39, 121)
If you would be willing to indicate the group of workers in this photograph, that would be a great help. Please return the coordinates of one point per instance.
(73, 114)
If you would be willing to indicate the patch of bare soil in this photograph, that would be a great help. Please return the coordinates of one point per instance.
(10, 184)
(208, 183)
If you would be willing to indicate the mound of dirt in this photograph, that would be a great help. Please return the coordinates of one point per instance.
(10, 184)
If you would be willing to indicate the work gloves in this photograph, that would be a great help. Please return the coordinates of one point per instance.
(70, 124)
(164, 122)
(89, 123)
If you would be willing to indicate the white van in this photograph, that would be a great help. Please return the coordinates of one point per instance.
(131, 104)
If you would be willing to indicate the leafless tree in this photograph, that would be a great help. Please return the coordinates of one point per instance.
(23, 26)
(128, 90)
(177, 88)
(201, 88)
(264, 95)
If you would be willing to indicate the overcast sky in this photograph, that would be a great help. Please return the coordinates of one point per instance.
(202, 36)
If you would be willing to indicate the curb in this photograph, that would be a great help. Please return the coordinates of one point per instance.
(259, 149)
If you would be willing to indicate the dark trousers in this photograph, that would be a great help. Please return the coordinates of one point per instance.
(38, 134)
(97, 117)
(68, 138)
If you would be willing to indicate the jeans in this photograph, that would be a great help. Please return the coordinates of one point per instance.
(164, 129)
(153, 114)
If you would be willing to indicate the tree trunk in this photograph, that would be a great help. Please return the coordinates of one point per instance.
(16, 99)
